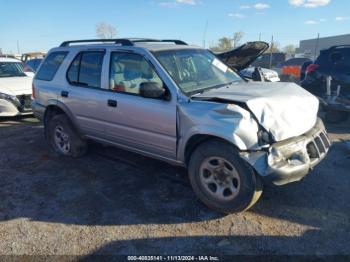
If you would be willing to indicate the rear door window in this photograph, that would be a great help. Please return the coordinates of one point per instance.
(86, 69)
(50, 66)
(73, 71)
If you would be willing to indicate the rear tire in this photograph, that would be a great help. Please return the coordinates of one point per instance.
(222, 180)
(63, 138)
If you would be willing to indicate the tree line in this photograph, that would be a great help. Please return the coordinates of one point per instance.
(226, 43)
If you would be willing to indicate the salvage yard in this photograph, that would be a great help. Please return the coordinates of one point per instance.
(114, 202)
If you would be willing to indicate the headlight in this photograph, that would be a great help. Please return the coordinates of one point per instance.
(286, 152)
(275, 156)
(10, 98)
(7, 97)
(264, 137)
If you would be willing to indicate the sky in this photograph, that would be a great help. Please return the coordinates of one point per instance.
(39, 25)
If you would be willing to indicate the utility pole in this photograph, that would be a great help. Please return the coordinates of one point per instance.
(316, 46)
(18, 47)
(205, 33)
(259, 36)
(271, 47)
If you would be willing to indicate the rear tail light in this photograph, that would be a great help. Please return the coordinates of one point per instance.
(33, 91)
(311, 68)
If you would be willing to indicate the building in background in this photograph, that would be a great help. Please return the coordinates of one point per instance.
(311, 47)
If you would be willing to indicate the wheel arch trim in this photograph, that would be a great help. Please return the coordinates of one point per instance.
(59, 106)
(189, 143)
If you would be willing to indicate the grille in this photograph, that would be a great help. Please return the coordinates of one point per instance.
(325, 140)
(25, 101)
(319, 146)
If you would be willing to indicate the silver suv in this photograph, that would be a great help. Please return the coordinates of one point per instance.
(184, 105)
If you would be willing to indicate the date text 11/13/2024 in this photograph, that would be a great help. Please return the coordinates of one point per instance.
(173, 258)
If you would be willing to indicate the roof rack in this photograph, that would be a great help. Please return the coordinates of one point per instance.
(339, 46)
(123, 41)
(145, 40)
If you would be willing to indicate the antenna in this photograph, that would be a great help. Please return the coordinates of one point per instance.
(272, 45)
(205, 33)
(18, 47)
(316, 45)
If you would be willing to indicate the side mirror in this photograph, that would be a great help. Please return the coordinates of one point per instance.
(151, 90)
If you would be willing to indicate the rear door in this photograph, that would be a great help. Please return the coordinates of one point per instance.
(82, 93)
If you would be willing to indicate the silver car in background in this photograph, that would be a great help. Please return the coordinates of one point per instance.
(184, 105)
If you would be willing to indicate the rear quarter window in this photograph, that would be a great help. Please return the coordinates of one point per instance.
(50, 66)
(340, 57)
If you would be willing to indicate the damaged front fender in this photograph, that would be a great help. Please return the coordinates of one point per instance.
(226, 121)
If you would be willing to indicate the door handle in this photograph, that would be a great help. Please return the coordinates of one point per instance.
(64, 93)
(112, 103)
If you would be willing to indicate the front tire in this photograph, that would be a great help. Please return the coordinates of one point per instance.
(222, 180)
(63, 138)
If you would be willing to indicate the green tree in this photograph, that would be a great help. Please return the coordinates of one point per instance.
(105, 31)
(237, 37)
(274, 47)
(289, 49)
(224, 44)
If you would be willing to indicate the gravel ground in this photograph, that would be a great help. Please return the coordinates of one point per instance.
(115, 202)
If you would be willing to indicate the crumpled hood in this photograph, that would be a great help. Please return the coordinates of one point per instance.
(16, 85)
(283, 109)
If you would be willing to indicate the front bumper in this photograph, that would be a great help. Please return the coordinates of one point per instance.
(291, 160)
(20, 105)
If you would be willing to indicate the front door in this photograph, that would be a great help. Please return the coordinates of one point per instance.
(144, 124)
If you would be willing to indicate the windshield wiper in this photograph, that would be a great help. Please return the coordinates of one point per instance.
(218, 86)
(201, 91)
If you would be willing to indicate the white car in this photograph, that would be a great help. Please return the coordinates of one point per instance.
(267, 74)
(15, 88)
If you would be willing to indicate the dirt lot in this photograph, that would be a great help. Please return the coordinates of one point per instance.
(115, 202)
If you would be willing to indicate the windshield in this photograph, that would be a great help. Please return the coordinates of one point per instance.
(11, 69)
(196, 70)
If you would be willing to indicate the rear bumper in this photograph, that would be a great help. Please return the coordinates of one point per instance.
(291, 160)
(38, 110)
